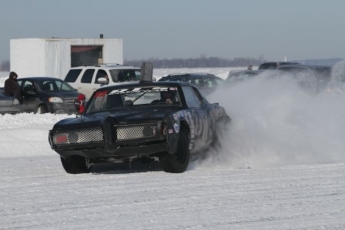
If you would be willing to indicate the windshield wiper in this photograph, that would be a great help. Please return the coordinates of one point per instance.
(131, 103)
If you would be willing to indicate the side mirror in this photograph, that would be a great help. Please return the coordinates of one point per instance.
(216, 103)
(102, 80)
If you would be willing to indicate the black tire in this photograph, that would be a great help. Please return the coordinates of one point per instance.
(177, 162)
(41, 109)
(75, 165)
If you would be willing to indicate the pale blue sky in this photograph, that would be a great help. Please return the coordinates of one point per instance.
(297, 29)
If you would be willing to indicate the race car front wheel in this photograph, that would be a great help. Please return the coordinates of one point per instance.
(177, 162)
(75, 164)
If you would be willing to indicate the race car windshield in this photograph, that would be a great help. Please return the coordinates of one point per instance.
(133, 97)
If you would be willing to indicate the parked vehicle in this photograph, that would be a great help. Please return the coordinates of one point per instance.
(275, 65)
(241, 75)
(8, 104)
(86, 79)
(311, 75)
(47, 95)
(119, 124)
(206, 83)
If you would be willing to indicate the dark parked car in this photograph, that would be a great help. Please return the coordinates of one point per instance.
(312, 75)
(207, 83)
(8, 104)
(120, 124)
(275, 65)
(241, 75)
(47, 94)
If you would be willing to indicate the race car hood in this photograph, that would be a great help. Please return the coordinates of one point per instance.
(123, 116)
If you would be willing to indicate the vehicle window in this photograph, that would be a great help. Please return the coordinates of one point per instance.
(268, 66)
(54, 85)
(87, 76)
(202, 83)
(19, 82)
(172, 78)
(63, 86)
(192, 99)
(28, 86)
(134, 97)
(46, 85)
(100, 73)
(211, 82)
(125, 75)
(137, 74)
(72, 75)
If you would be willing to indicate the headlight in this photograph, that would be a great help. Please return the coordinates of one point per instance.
(55, 100)
(15, 101)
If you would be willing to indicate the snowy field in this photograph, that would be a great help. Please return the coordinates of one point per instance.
(281, 166)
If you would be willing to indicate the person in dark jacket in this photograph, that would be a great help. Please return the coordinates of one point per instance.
(12, 88)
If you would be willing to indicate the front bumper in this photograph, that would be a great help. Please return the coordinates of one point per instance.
(110, 140)
(61, 108)
(13, 109)
(92, 151)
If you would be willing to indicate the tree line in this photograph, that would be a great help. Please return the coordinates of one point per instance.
(201, 62)
(5, 66)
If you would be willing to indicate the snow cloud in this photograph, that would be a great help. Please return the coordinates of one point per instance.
(275, 123)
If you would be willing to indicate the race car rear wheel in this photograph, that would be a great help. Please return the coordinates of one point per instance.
(177, 162)
(75, 164)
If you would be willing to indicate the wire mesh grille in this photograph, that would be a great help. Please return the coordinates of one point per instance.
(70, 101)
(136, 132)
(79, 136)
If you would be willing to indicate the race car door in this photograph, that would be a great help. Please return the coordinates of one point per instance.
(200, 133)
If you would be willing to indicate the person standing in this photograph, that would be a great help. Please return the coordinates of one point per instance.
(12, 88)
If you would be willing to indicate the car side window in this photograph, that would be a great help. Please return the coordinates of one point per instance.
(128, 75)
(72, 75)
(192, 99)
(198, 95)
(100, 73)
(87, 76)
(28, 86)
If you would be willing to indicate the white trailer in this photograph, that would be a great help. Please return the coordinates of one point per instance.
(53, 57)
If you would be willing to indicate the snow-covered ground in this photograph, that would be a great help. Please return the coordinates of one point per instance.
(282, 166)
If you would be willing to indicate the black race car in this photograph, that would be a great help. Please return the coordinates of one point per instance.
(120, 124)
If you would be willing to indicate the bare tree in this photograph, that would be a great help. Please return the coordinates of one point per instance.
(5, 66)
(200, 62)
